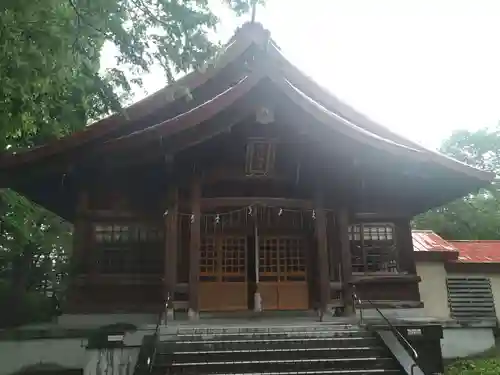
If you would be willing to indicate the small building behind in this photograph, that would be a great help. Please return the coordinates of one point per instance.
(460, 287)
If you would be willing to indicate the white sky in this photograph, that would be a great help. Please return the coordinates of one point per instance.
(421, 67)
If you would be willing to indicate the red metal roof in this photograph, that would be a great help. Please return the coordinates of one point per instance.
(486, 251)
(478, 251)
(427, 240)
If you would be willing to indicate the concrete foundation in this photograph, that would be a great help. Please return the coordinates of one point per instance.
(68, 353)
(99, 320)
(464, 342)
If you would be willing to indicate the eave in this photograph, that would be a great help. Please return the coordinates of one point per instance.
(268, 64)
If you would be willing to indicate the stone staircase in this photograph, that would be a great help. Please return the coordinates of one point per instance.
(273, 350)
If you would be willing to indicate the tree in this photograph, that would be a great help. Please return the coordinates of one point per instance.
(475, 216)
(50, 53)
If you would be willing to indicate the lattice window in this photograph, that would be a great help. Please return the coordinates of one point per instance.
(373, 247)
(260, 157)
(129, 247)
(125, 233)
(470, 298)
(223, 258)
(282, 258)
(114, 261)
(268, 256)
(233, 256)
(294, 253)
(208, 257)
(111, 233)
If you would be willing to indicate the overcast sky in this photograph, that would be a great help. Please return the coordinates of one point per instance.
(421, 67)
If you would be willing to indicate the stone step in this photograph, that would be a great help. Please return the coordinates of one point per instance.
(273, 350)
(292, 350)
(270, 355)
(264, 335)
(324, 372)
(274, 343)
(283, 365)
(237, 330)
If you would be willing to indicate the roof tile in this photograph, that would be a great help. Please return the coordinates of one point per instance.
(474, 251)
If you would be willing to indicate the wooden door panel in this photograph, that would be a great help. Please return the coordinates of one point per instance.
(293, 295)
(269, 295)
(282, 273)
(208, 296)
(223, 275)
(223, 296)
(233, 296)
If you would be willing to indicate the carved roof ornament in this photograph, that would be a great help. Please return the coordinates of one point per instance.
(264, 115)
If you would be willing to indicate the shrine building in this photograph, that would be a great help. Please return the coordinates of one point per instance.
(244, 186)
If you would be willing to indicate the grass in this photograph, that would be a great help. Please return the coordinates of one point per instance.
(487, 363)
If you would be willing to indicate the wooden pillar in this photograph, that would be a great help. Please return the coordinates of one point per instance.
(194, 248)
(171, 229)
(346, 266)
(404, 244)
(322, 253)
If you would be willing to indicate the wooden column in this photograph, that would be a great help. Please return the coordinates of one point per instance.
(81, 254)
(404, 244)
(345, 251)
(171, 229)
(194, 248)
(322, 253)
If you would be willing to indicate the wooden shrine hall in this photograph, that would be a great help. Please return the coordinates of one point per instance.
(242, 186)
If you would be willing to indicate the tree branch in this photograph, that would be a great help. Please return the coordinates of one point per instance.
(81, 17)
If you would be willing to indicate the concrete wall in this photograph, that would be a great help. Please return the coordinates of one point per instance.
(99, 320)
(495, 287)
(463, 342)
(433, 292)
(111, 361)
(15, 355)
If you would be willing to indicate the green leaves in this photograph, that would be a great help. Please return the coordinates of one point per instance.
(475, 367)
(475, 217)
(53, 84)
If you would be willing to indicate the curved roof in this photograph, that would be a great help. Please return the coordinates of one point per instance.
(267, 62)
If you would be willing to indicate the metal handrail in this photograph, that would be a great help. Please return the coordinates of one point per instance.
(413, 352)
(163, 311)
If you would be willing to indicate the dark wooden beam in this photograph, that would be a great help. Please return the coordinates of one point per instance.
(391, 305)
(385, 215)
(333, 248)
(345, 251)
(210, 203)
(384, 279)
(322, 251)
(171, 229)
(194, 247)
(237, 174)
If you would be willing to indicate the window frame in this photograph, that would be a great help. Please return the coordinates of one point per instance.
(270, 157)
(133, 252)
(387, 246)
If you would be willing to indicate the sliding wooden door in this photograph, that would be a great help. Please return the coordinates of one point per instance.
(282, 273)
(223, 273)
